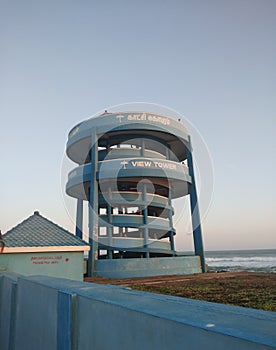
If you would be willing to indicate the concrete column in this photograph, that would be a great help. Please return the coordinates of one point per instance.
(145, 220)
(145, 209)
(120, 212)
(143, 148)
(109, 228)
(79, 220)
(93, 206)
(171, 220)
(167, 152)
(197, 233)
(108, 146)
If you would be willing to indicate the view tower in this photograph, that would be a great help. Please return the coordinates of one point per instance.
(131, 165)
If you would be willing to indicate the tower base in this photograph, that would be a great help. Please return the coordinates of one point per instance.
(129, 268)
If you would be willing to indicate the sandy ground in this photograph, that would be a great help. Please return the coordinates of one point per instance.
(250, 289)
(249, 277)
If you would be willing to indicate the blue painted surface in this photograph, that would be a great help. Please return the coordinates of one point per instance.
(64, 324)
(197, 233)
(80, 134)
(36, 316)
(93, 203)
(137, 221)
(79, 219)
(133, 244)
(106, 316)
(82, 174)
(128, 153)
(126, 268)
(7, 310)
(12, 314)
(119, 198)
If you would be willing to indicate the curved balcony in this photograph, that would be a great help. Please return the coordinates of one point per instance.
(134, 244)
(122, 153)
(157, 171)
(136, 221)
(115, 128)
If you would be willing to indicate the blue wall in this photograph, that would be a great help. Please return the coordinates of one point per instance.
(128, 268)
(41, 312)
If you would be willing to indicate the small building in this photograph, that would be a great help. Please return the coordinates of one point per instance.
(37, 246)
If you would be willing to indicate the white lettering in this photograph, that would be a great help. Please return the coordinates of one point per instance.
(156, 164)
(165, 165)
(149, 117)
(141, 164)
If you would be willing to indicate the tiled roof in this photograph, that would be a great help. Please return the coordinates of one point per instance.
(37, 231)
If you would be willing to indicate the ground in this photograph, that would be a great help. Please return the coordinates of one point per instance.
(248, 289)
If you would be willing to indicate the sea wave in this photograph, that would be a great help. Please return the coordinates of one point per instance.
(256, 263)
(246, 259)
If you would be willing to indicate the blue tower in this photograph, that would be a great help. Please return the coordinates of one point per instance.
(131, 166)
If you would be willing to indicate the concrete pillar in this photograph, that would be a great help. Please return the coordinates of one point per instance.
(197, 233)
(108, 212)
(142, 151)
(109, 228)
(93, 206)
(79, 220)
(171, 220)
(167, 152)
(145, 220)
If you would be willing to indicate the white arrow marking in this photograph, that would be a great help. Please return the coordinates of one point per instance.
(120, 117)
(124, 163)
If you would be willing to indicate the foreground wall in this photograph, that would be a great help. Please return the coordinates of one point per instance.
(41, 312)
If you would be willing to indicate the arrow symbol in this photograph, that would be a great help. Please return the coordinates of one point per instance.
(120, 117)
(124, 163)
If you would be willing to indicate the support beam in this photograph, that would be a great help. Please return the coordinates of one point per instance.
(197, 233)
(79, 220)
(109, 228)
(145, 220)
(171, 221)
(142, 151)
(93, 205)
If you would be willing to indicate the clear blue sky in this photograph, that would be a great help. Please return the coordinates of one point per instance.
(214, 61)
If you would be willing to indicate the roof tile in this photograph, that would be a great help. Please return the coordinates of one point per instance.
(36, 231)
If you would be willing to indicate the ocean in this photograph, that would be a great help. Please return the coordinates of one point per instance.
(260, 260)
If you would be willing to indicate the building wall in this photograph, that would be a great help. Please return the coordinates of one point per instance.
(49, 313)
(56, 264)
(127, 268)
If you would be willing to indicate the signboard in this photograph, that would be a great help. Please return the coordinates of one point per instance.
(47, 259)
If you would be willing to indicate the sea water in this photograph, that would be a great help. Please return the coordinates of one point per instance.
(260, 260)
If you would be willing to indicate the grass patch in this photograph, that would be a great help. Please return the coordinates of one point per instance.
(233, 293)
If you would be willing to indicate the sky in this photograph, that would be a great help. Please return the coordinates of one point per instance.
(213, 61)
